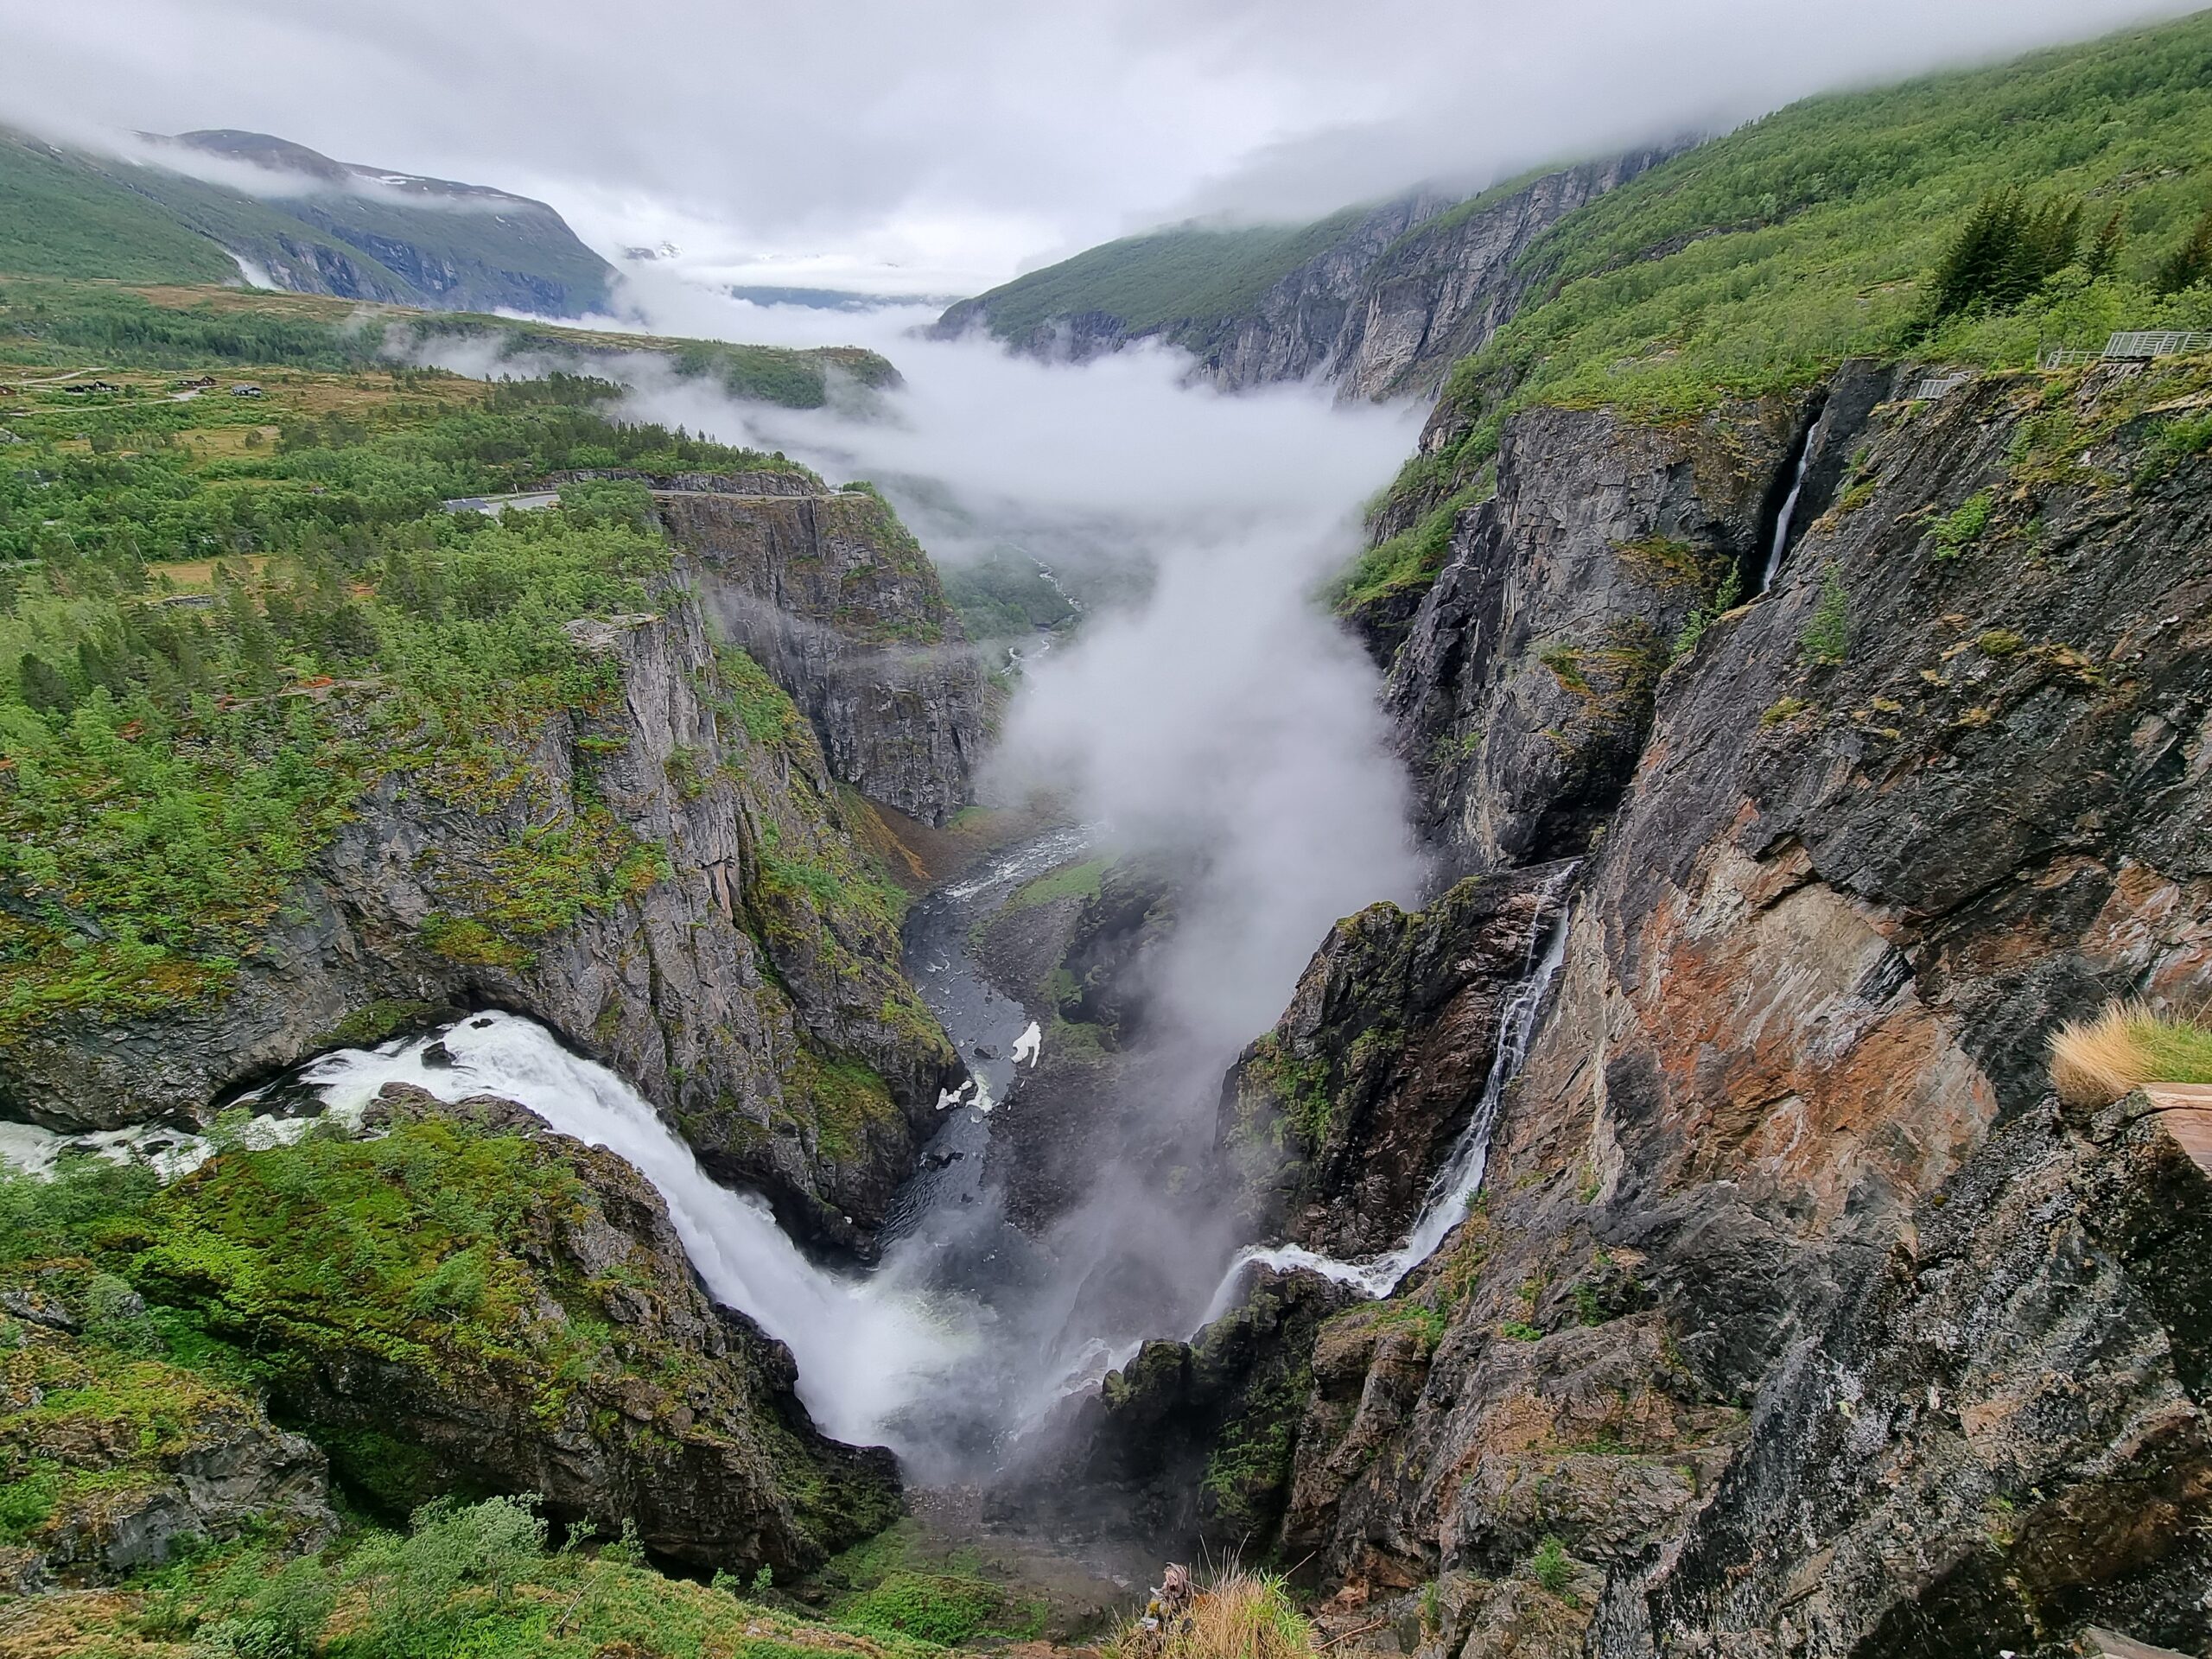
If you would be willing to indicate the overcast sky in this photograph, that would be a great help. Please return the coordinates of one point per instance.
(941, 145)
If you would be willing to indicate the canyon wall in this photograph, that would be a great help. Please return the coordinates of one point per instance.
(1794, 1316)
(1382, 309)
(834, 596)
(665, 876)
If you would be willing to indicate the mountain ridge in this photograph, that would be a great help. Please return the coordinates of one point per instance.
(69, 212)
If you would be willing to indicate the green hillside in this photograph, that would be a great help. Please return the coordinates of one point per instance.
(1759, 261)
(67, 213)
(50, 324)
(1194, 275)
(61, 218)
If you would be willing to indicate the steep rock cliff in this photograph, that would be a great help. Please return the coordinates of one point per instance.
(1335, 1121)
(1525, 685)
(1793, 1308)
(1388, 300)
(829, 593)
(731, 955)
(1441, 290)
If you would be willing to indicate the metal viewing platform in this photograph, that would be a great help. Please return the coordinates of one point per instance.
(2130, 345)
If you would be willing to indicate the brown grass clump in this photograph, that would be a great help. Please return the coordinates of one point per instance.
(1240, 1614)
(2095, 1062)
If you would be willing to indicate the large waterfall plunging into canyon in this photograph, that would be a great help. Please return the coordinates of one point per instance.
(864, 1347)
(1208, 715)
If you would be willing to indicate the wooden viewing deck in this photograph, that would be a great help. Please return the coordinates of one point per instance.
(2186, 1110)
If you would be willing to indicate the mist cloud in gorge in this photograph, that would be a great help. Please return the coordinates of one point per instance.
(1216, 721)
(1223, 718)
(943, 146)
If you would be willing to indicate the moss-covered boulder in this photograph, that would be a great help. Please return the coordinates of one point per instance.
(110, 1457)
(469, 1303)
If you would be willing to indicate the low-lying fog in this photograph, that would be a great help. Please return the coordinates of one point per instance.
(1207, 711)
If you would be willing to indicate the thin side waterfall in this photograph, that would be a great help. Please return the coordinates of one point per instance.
(1780, 543)
(865, 1347)
(1461, 1177)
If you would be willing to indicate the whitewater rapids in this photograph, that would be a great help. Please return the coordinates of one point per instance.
(865, 1347)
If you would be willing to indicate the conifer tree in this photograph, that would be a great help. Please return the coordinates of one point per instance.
(2191, 262)
(2006, 250)
(2103, 258)
(44, 689)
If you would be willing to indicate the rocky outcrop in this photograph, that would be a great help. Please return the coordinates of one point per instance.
(664, 876)
(1079, 962)
(1440, 292)
(833, 596)
(552, 1338)
(1188, 1440)
(1793, 1309)
(1525, 689)
(1334, 1122)
(1394, 297)
(112, 1460)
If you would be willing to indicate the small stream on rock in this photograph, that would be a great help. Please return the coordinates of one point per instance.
(1455, 1185)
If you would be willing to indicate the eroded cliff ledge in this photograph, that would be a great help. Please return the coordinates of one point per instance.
(833, 596)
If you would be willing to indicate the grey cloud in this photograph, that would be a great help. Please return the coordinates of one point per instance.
(897, 130)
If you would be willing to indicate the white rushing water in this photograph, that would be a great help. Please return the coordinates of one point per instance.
(865, 1348)
(1780, 543)
(1461, 1178)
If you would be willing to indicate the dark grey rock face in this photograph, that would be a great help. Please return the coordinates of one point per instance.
(1525, 685)
(1082, 967)
(1793, 1305)
(725, 990)
(829, 593)
(1442, 292)
(1188, 1440)
(1333, 1123)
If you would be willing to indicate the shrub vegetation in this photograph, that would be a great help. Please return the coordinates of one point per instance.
(210, 647)
(2095, 1062)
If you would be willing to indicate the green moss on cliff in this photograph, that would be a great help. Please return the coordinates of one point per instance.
(417, 1249)
(1274, 1078)
(851, 1103)
(1070, 881)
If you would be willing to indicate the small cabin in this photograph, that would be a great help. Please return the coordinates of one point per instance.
(246, 388)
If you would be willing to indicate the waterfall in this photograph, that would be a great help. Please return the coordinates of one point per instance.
(1780, 543)
(865, 1348)
(1456, 1184)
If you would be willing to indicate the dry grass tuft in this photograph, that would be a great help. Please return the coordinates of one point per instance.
(2095, 1062)
(1240, 1614)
